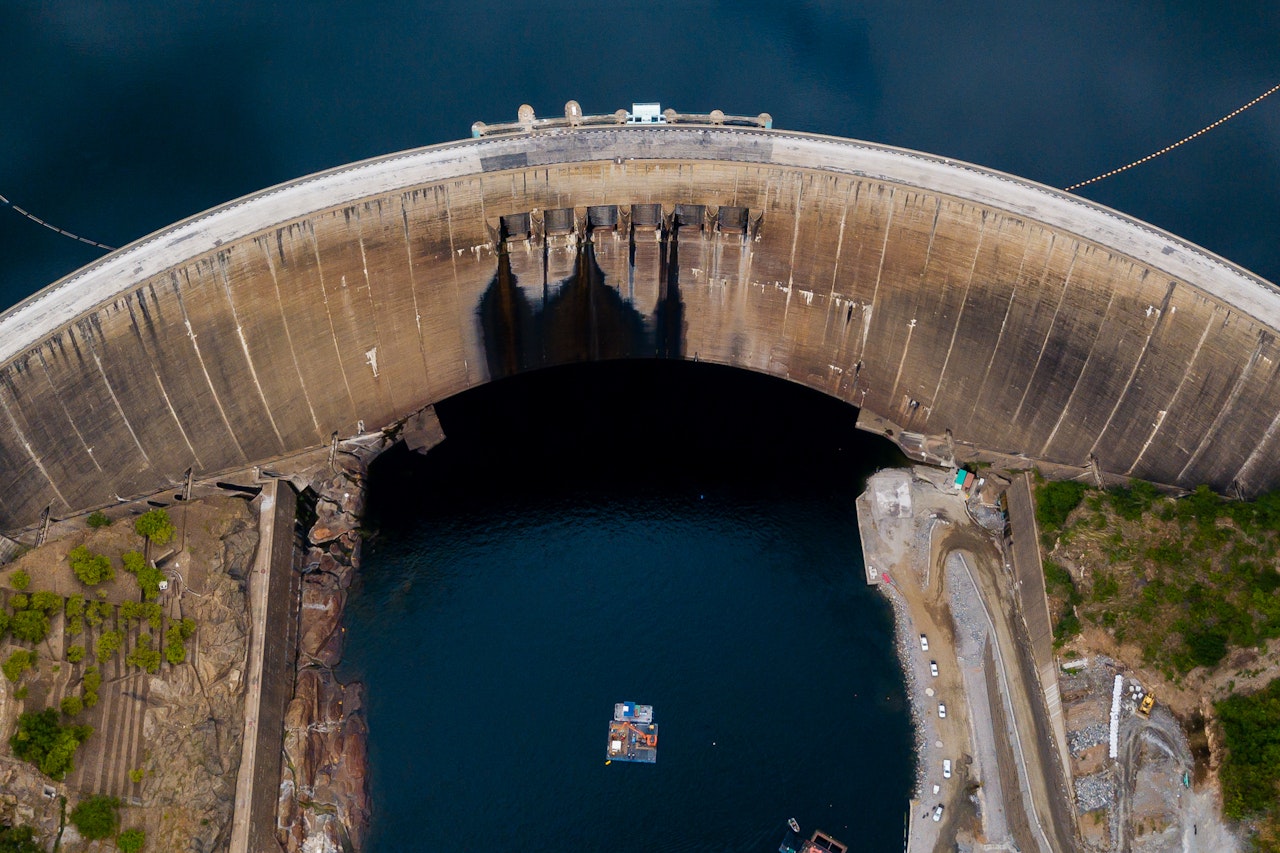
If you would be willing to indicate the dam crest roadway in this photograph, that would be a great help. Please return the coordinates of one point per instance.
(960, 309)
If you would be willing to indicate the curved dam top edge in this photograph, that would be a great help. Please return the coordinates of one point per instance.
(23, 325)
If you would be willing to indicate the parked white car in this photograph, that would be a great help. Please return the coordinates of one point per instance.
(933, 668)
(946, 768)
(937, 813)
(942, 711)
(924, 643)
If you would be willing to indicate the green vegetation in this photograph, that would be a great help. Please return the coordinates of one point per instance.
(135, 611)
(20, 601)
(17, 664)
(1187, 580)
(97, 519)
(97, 611)
(136, 774)
(46, 744)
(30, 626)
(75, 615)
(148, 576)
(1055, 499)
(175, 641)
(1251, 734)
(89, 687)
(131, 841)
(18, 839)
(108, 644)
(155, 526)
(143, 655)
(96, 817)
(48, 602)
(20, 580)
(71, 705)
(90, 568)
(4, 624)
(75, 653)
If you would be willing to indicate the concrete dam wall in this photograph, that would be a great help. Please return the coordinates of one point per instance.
(943, 298)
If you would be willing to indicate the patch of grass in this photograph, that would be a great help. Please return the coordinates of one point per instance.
(1251, 733)
(1055, 499)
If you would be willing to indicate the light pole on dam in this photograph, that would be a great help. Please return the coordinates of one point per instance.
(944, 299)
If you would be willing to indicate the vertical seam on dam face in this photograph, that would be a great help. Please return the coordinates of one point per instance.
(1076, 384)
(57, 395)
(1016, 305)
(288, 336)
(1173, 400)
(1048, 332)
(1161, 314)
(1241, 381)
(30, 452)
(244, 347)
(955, 327)
(204, 369)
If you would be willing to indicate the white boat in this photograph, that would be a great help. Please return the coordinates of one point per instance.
(791, 822)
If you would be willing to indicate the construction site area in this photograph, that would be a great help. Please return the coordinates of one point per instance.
(1016, 747)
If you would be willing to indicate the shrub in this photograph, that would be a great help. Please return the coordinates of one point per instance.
(75, 606)
(30, 626)
(133, 561)
(1130, 502)
(71, 705)
(89, 687)
(155, 526)
(20, 580)
(1207, 647)
(75, 653)
(96, 817)
(143, 655)
(18, 839)
(17, 664)
(97, 519)
(136, 774)
(46, 744)
(4, 624)
(1105, 586)
(108, 644)
(131, 841)
(90, 568)
(49, 602)
(1251, 734)
(1055, 500)
(20, 601)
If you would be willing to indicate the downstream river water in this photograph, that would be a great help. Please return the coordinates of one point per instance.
(674, 534)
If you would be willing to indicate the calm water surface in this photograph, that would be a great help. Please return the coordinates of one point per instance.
(499, 620)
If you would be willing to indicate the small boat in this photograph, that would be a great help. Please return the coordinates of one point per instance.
(795, 826)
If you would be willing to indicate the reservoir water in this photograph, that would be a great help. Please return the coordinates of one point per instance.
(518, 585)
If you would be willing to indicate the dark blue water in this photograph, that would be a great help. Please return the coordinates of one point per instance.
(119, 118)
(519, 586)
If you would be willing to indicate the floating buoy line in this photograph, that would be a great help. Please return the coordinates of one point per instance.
(1201, 132)
(52, 227)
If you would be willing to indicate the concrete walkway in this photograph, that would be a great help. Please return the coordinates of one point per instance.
(272, 593)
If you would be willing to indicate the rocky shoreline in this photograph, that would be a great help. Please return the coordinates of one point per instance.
(324, 795)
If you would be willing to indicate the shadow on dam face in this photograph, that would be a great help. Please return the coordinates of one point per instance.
(648, 426)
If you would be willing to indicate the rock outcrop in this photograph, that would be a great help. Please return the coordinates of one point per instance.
(324, 800)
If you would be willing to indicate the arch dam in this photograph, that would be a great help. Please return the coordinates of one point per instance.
(943, 299)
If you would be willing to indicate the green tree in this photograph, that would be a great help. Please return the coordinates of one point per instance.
(20, 601)
(143, 655)
(30, 626)
(75, 653)
(4, 624)
(17, 664)
(96, 817)
(97, 519)
(42, 741)
(20, 580)
(71, 705)
(155, 526)
(49, 602)
(108, 644)
(18, 839)
(90, 568)
(131, 841)
(133, 561)
(89, 686)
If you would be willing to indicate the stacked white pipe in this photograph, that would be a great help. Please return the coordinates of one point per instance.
(1114, 749)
